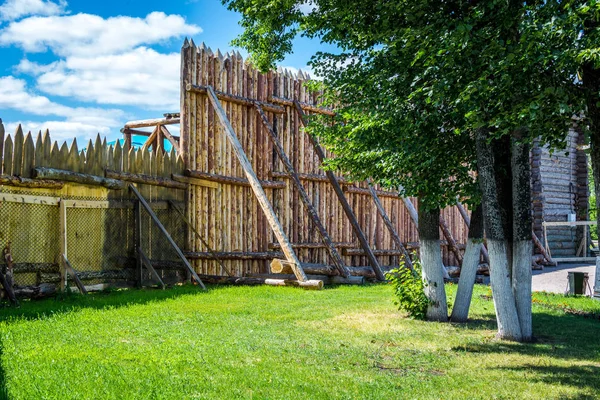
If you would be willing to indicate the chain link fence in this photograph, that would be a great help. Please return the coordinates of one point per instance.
(100, 240)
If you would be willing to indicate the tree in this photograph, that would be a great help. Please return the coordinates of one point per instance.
(418, 84)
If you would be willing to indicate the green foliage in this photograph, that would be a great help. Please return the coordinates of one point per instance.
(409, 288)
(413, 80)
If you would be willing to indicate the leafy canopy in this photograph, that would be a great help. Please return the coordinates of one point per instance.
(413, 80)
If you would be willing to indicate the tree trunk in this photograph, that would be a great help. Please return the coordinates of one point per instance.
(431, 261)
(522, 241)
(495, 228)
(460, 310)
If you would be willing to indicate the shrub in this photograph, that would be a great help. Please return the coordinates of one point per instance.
(410, 289)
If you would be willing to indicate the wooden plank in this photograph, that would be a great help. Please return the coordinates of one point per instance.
(574, 259)
(151, 140)
(260, 194)
(450, 238)
(314, 245)
(303, 105)
(146, 262)
(71, 271)
(29, 199)
(312, 212)
(567, 223)
(7, 157)
(160, 226)
(343, 201)
(309, 177)
(390, 226)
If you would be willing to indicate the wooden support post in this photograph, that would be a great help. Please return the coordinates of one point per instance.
(138, 243)
(71, 271)
(343, 201)
(465, 217)
(151, 141)
(170, 137)
(6, 276)
(450, 239)
(146, 262)
(260, 194)
(538, 244)
(160, 226)
(312, 212)
(62, 220)
(390, 226)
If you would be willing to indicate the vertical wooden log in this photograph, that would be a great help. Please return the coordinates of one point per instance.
(62, 218)
(18, 152)
(28, 156)
(8, 154)
(47, 149)
(2, 132)
(257, 188)
(138, 243)
(73, 163)
(312, 212)
(344, 202)
(390, 226)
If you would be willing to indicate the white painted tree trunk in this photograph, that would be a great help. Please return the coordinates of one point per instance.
(504, 300)
(521, 284)
(431, 261)
(460, 310)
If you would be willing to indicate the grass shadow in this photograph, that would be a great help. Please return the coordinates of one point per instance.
(558, 336)
(69, 302)
(581, 377)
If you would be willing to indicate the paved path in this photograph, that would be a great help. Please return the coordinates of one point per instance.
(554, 279)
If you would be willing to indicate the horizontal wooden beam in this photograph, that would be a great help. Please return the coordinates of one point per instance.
(315, 245)
(12, 180)
(151, 122)
(77, 177)
(194, 181)
(29, 199)
(245, 101)
(232, 180)
(567, 223)
(233, 255)
(393, 252)
(145, 179)
(307, 177)
(380, 193)
(305, 106)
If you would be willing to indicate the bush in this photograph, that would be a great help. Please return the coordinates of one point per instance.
(410, 289)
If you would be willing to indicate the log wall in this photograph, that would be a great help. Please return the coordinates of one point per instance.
(560, 188)
(229, 214)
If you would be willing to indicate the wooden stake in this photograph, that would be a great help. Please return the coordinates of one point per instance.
(256, 187)
(344, 202)
(312, 212)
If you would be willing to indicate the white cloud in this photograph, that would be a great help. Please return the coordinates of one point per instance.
(91, 35)
(78, 121)
(141, 77)
(15, 9)
(60, 130)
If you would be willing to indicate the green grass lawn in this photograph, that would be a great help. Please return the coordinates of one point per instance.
(285, 343)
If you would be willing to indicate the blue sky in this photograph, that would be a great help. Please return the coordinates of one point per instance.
(83, 67)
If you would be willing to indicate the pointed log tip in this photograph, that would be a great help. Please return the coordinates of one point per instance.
(186, 43)
(202, 46)
(192, 44)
